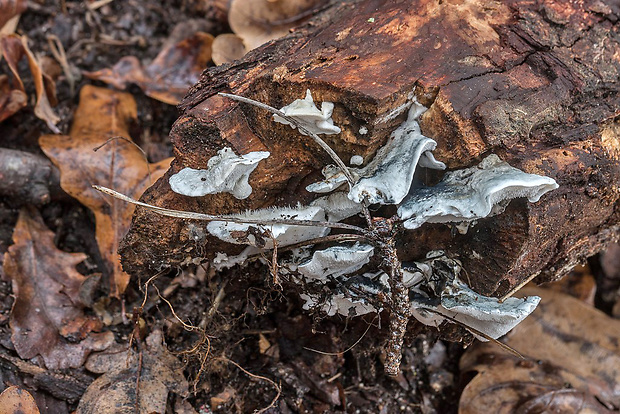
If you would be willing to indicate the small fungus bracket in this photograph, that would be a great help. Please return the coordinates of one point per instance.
(226, 173)
(308, 115)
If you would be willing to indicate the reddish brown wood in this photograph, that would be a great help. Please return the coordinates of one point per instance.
(535, 82)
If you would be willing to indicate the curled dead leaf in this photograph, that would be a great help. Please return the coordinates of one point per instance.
(104, 115)
(259, 21)
(9, 9)
(46, 318)
(11, 100)
(572, 362)
(15, 400)
(133, 383)
(227, 47)
(168, 77)
(15, 47)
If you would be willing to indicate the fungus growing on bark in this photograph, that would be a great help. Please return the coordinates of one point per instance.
(472, 193)
(388, 177)
(225, 173)
(262, 235)
(431, 290)
(336, 261)
(337, 206)
(305, 112)
(484, 314)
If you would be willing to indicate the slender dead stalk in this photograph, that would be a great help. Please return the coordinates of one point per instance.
(230, 219)
(301, 128)
(293, 121)
(258, 377)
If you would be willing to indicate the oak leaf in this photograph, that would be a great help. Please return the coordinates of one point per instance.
(11, 99)
(169, 76)
(9, 11)
(259, 21)
(571, 365)
(15, 400)
(133, 382)
(102, 117)
(14, 48)
(46, 318)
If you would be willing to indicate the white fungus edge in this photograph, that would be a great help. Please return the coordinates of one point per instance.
(336, 261)
(284, 234)
(226, 173)
(307, 114)
(472, 193)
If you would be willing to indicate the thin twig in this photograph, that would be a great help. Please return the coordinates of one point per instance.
(337, 238)
(293, 121)
(274, 261)
(186, 326)
(58, 51)
(138, 377)
(146, 158)
(518, 287)
(259, 377)
(99, 3)
(477, 332)
(240, 220)
(214, 306)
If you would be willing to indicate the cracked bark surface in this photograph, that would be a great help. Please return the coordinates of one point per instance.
(535, 82)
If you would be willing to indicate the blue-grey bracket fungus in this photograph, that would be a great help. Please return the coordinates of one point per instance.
(472, 193)
(457, 302)
(336, 261)
(462, 196)
(387, 178)
(226, 172)
(248, 234)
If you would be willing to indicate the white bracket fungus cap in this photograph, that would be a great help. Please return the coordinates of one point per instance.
(226, 173)
(308, 115)
(472, 193)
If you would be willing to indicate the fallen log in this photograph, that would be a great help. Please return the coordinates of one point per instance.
(534, 82)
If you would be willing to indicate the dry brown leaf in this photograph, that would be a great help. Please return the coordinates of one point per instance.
(227, 47)
(579, 283)
(131, 384)
(15, 47)
(101, 115)
(167, 79)
(46, 318)
(11, 100)
(15, 400)
(9, 9)
(259, 21)
(609, 279)
(572, 362)
(223, 398)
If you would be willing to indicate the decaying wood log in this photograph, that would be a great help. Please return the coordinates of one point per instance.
(535, 82)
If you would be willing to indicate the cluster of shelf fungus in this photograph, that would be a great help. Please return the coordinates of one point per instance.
(344, 278)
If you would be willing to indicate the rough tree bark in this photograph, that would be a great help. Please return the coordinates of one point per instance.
(535, 82)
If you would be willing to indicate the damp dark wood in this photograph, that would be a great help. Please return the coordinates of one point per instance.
(534, 82)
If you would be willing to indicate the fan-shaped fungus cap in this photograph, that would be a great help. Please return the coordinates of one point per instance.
(259, 21)
(472, 193)
(226, 48)
(225, 173)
